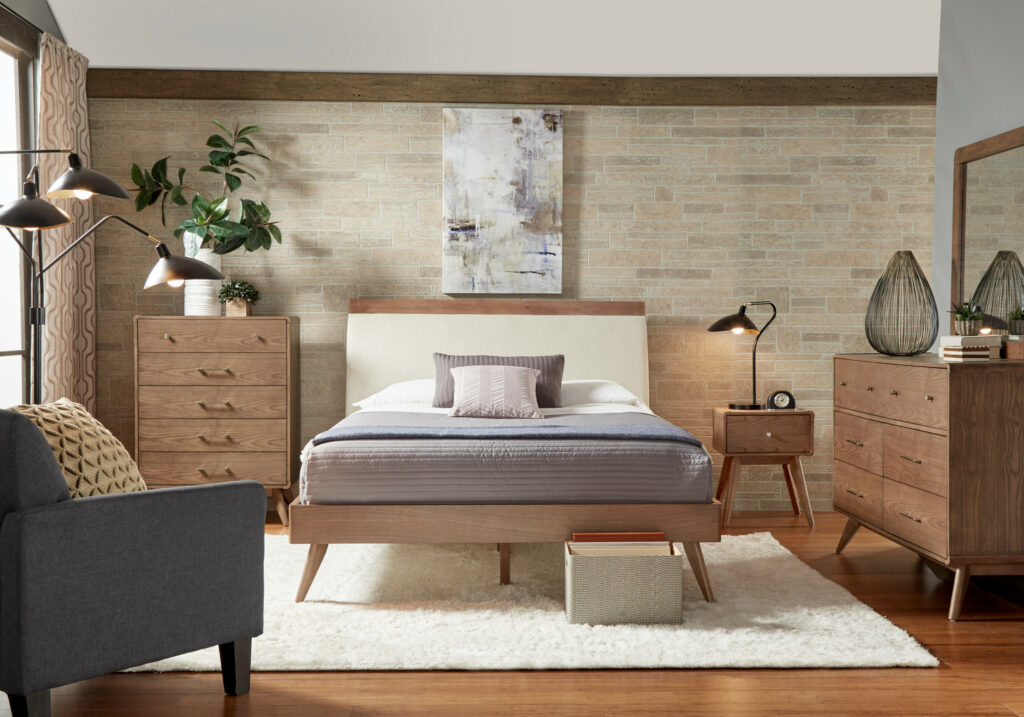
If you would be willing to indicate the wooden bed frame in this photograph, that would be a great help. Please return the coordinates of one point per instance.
(376, 358)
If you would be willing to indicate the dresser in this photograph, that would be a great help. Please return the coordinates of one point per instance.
(217, 400)
(931, 455)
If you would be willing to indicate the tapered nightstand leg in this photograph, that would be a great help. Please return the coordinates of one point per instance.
(852, 526)
(963, 576)
(800, 483)
(792, 490)
(281, 505)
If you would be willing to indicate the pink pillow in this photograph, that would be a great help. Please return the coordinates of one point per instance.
(495, 392)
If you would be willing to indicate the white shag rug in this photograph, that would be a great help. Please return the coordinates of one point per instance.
(422, 607)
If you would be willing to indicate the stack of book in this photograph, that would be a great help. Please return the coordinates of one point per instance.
(967, 349)
(651, 543)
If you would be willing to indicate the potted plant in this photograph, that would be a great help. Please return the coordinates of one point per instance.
(238, 297)
(1016, 321)
(967, 317)
(218, 224)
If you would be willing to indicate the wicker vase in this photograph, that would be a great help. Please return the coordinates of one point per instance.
(902, 319)
(1001, 290)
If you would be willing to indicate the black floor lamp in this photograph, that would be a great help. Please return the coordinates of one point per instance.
(33, 214)
(740, 323)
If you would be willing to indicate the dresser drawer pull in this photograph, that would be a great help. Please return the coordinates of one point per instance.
(894, 392)
(854, 493)
(204, 371)
(912, 460)
(205, 405)
(928, 397)
(168, 337)
(257, 337)
(842, 383)
(207, 439)
(225, 469)
(869, 388)
(909, 516)
(859, 444)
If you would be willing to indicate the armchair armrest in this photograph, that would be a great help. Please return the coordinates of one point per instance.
(95, 585)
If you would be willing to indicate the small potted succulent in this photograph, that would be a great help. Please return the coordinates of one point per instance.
(238, 297)
(968, 318)
(1016, 321)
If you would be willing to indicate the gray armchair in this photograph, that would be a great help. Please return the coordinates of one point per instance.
(95, 585)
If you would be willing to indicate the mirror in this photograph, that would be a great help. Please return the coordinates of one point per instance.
(988, 228)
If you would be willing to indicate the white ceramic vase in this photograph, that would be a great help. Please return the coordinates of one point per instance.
(201, 294)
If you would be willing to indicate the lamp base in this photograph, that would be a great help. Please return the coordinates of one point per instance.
(741, 406)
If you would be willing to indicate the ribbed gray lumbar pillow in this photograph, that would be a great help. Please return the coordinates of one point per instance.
(549, 383)
(495, 392)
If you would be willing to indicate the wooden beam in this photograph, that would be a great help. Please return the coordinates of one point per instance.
(509, 89)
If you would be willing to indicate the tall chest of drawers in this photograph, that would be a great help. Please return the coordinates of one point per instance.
(216, 400)
(931, 455)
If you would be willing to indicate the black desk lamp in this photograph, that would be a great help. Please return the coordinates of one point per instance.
(738, 323)
(32, 213)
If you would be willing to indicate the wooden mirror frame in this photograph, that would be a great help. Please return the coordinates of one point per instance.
(966, 154)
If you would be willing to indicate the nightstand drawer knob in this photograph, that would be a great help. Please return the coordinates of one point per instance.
(168, 337)
(257, 337)
(768, 434)
(894, 392)
(869, 388)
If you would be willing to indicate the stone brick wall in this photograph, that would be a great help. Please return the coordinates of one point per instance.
(691, 210)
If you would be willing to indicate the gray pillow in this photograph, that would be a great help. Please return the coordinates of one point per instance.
(549, 383)
(495, 392)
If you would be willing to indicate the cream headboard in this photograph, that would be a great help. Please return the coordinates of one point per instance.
(391, 340)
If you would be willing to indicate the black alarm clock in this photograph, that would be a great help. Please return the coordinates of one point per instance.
(781, 400)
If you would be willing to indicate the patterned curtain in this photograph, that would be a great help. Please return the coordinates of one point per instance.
(69, 337)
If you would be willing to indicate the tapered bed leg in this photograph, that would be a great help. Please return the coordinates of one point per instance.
(505, 558)
(723, 479)
(313, 560)
(281, 505)
(235, 659)
(36, 704)
(852, 526)
(963, 576)
(696, 557)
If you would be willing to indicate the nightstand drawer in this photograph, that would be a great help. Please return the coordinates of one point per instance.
(916, 458)
(858, 492)
(916, 516)
(858, 441)
(191, 335)
(173, 434)
(214, 369)
(769, 432)
(214, 402)
(915, 394)
(193, 468)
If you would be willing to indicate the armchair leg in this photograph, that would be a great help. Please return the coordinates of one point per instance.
(235, 659)
(36, 704)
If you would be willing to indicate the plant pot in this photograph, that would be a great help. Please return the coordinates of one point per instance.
(1016, 326)
(968, 328)
(237, 307)
(201, 294)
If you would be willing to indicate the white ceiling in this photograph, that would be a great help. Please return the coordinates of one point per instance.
(568, 37)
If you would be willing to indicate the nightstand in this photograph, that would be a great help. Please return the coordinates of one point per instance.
(765, 437)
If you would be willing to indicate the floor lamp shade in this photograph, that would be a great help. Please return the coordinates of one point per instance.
(1000, 291)
(81, 182)
(902, 319)
(31, 212)
(175, 270)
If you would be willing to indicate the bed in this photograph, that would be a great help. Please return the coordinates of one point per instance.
(411, 474)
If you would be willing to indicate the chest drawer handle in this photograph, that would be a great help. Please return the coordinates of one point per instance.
(842, 383)
(909, 516)
(870, 388)
(894, 392)
(206, 404)
(854, 493)
(168, 337)
(859, 444)
(912, 460)
(204, 371)
(207, 439)
(928, 397)
(257, 337)
(224, 469)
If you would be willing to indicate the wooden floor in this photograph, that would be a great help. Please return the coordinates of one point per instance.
(982, 671)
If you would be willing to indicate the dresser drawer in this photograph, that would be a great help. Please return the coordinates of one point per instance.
(915, 394)
(915, 515)
(214, 435)
(193, 468)
(769, 433)
(916, 458)
(213, 402)
(858, 441)
(858, 492)
(213, 369)
(175, 334)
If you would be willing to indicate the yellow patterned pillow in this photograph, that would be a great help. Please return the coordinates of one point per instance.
(93, 461)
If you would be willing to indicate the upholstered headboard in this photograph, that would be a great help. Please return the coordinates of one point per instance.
(391, 340)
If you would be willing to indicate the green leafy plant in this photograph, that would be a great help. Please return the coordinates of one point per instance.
(1017, 314)
(211, 218)
(967, 312)
(238, 291)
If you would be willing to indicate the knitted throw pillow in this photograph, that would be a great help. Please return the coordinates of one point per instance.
(92, 460)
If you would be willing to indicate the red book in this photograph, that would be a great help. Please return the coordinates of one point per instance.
(617, 537)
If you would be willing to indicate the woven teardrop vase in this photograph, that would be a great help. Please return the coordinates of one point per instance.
(1001, 290)
(902, 319)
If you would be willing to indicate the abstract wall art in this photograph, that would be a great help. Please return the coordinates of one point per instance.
(502, 201)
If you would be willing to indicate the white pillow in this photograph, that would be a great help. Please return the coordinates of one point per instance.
(597, 391)
(495, 392)
(418, 391)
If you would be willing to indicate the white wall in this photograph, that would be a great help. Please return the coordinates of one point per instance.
(979, 94)
(573, 37)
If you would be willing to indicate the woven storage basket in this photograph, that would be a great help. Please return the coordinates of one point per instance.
(623, 589)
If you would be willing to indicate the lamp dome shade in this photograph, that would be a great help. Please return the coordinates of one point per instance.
(82, 182)
(738, 323)
(32, 213)
(170, 268)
